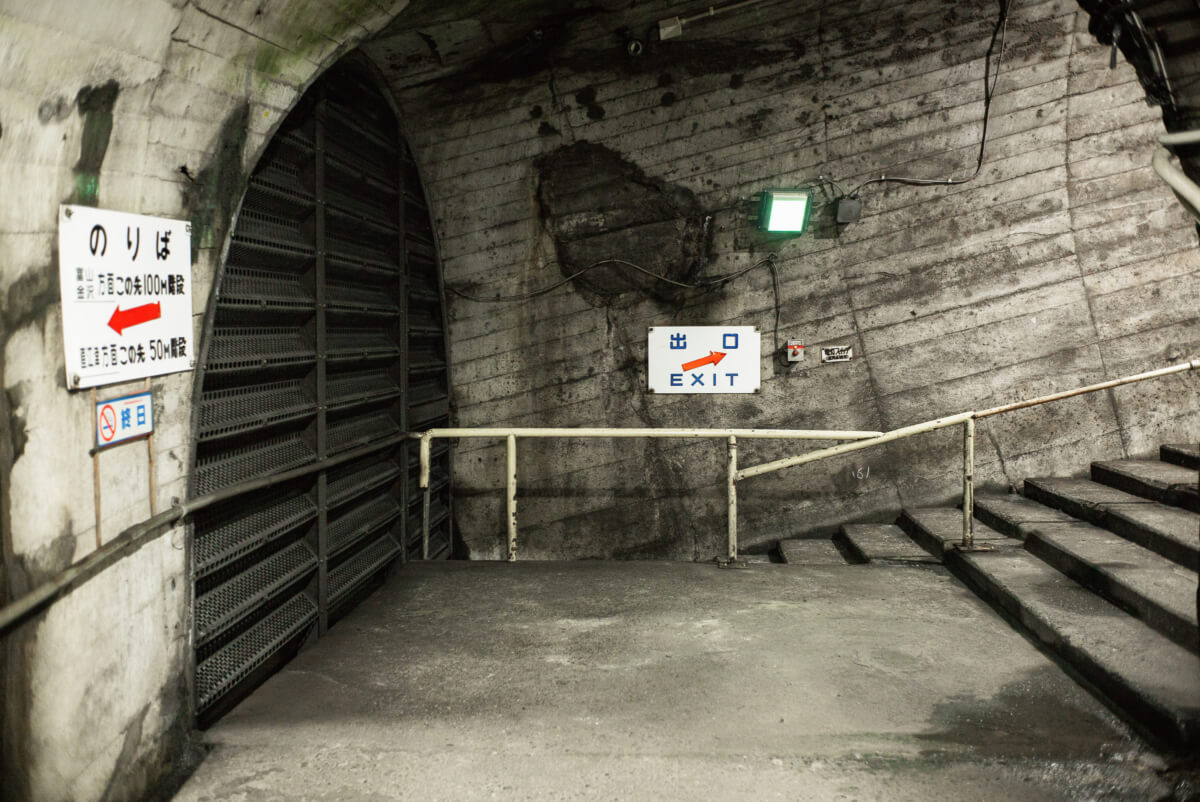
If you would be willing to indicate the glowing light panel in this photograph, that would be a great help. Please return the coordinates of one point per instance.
(785, 210)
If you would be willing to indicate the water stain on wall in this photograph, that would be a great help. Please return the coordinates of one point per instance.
(95, 104)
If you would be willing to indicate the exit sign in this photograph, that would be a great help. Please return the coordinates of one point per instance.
(703, 359)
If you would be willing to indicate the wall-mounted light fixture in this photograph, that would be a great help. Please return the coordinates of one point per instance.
(785, 210)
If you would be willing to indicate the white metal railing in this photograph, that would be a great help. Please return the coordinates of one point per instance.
(859, 441)
(511, 435)
(1185, 189)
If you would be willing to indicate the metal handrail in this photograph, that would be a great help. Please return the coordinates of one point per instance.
(510, 435)
(138, 535)
(133, 538)
(734, 475)
(1185, 188)
(967, 420)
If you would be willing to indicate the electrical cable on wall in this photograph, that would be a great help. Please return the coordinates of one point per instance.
(990, 79)
(704, 284)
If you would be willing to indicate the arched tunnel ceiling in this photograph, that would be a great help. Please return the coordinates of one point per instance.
(460, 46)
(463, 46)
(432, 40)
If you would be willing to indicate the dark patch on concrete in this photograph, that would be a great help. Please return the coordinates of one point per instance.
(17, 432)
(598, 205)
(666, 79)
(212, 197)
(431, 43)
(668, 99)
(663, 548)
(58, 108)
(748, 410)
(96, 105)
(523, 54)
(546, 129)
(154, 767)
(15, 713)
(694, 57)
(1029, 718)
(586, 98)
(157, 771)
(801, 75)
(28, 299)
(755, 122)
(737, 80)
(31, 569)
(536, 112)
(126, 758)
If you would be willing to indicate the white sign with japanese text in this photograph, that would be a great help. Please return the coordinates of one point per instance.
(126, 284)
(703, 359)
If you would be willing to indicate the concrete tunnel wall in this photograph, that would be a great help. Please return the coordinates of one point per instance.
(1067, 261)
(939, 291)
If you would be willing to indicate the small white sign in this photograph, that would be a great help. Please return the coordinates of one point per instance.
(703, 359)
(124, 419)
(837, 353)
(126, 284)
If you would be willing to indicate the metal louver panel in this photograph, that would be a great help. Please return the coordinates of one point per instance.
(326, 340)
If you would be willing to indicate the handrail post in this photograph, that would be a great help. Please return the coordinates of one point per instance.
(423, 481)
(425, 523)
(968, 501)
(426, 445)
(731, 486)
(512, 498)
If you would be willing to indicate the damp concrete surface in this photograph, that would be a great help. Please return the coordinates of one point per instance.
(677, 681)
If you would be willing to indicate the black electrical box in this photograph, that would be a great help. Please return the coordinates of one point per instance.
(849, 210)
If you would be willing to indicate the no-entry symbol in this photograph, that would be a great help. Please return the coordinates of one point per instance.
(108, 423)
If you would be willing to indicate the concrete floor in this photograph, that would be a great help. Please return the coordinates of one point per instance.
(657, 680)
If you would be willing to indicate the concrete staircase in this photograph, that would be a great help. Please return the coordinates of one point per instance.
(1102, 572)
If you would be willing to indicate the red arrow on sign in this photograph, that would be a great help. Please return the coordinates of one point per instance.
(713, 358)
(135, 316)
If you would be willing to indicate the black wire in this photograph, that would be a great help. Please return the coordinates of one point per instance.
(770, 260)
(823, 180)
(989, 88)
(705, 284)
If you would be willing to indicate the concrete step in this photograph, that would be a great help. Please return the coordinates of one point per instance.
(1185, 454)
(1152, 680)
(1007, 513)
(1150, 586)
(943, 520)
(1153, 479)
(810, 551)
(883, 543)
(1153, 588)
(1169, 531)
